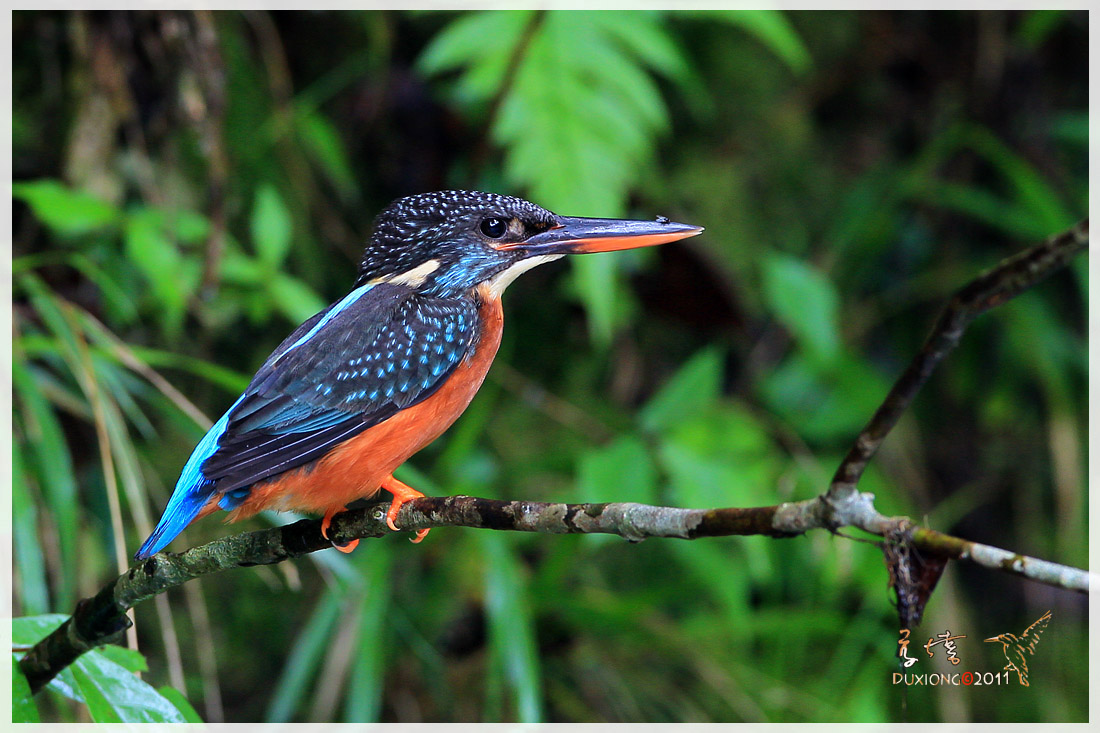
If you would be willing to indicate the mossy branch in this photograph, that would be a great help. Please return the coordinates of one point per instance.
(101, 619)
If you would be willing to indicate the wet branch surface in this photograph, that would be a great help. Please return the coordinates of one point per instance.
(102, 619)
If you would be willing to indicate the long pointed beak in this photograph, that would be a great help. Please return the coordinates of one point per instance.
(579, 235)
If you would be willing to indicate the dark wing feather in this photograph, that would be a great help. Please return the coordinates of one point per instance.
(384, 349)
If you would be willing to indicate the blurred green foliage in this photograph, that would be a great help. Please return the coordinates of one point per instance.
(103, 680)
(190, 186)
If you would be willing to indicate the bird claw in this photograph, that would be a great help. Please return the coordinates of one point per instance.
(402, 494)
(341, 546)
(392, 514)
(347, 546)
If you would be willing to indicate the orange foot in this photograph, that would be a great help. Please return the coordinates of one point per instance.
(346, 547)
(401, 493)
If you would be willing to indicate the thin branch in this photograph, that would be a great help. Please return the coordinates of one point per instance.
(990, 289)
(102, 619)
(206, 651)
(85, 373)
(481, 151)
(207, 109)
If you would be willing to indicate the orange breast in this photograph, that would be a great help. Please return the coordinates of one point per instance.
(355, 469)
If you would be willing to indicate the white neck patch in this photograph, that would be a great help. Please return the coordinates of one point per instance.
(503, 279)
(413, 278)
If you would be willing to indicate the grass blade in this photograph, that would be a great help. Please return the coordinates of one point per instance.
(364, 699)
(305, 656)
(33, 592)
(511, 627)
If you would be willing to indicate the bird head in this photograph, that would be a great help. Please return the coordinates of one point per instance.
(448, 242)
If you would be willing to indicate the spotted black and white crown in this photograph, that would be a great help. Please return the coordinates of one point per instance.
(408, 228)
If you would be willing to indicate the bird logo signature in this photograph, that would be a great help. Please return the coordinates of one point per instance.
(1017, 648)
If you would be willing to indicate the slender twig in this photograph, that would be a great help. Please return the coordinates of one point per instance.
(100, 620)
(548, 403)
(85, 373)
(172, 655)
(205, 57)
(206, 651)
(131, 361)
(481, 150)
(992, 288)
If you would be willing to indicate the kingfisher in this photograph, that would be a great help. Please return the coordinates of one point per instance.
(373, 378)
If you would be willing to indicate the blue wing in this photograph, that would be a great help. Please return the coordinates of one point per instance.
(380, 349)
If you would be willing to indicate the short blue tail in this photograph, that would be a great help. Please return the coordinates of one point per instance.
(178, 514)
(192, 492)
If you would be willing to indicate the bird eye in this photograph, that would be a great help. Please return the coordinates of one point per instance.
(493, 228)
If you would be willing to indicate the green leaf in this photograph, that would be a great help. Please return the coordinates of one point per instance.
(29, 630)
(99, 707)
(1037, 26)
(804, 300)
(23, 709)
(1031, 189)
(240, 269)
(720, 455)
(987, 207)
(322, 140)
(64, 210)
(1071, 128)
(464, 42)
(597, 283)
(103, 678)
(119, 303)
(511, 626)
(162, 264)
(185, 225)
(114, 694)
(271, 226)
(643, 34)
(129, 659)
(174, 696)
(724, 577)
(824, 404)
(696, 385)
(1032, 208)
(229, 380)
(51, 460)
